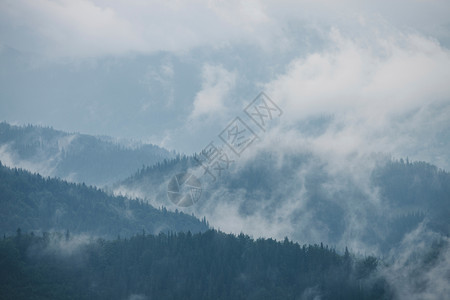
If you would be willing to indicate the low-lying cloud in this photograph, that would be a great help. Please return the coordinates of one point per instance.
(384, 94)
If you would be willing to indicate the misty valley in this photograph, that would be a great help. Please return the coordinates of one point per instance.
(274, 226)
(205, 149)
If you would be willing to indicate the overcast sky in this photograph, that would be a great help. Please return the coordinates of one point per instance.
(175, 73)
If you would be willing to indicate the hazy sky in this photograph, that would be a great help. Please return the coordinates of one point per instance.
(174, 73)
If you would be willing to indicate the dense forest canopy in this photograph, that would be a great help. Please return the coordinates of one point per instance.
(36, 203)
(209, 265)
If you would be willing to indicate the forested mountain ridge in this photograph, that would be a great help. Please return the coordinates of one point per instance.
(209, 265)
(73, 156)
(36, 203)
(416, 191)
(369, 209)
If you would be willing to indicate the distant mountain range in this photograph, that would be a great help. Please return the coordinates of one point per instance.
(73, 156)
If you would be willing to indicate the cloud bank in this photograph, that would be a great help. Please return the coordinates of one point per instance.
(380, 69)
(96, 27)
(383, 94)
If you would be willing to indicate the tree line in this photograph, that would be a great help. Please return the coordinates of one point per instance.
(208, 265)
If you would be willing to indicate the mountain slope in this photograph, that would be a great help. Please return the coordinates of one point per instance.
(35, 203)
(210, 265)
(75, 157)
(369, 206)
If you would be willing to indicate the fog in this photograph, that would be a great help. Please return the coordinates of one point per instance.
(359, 83)
(153, 72)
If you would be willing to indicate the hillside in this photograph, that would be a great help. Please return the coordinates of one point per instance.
(73, 156)
(367, 208)
(210, 265)
(36, 203)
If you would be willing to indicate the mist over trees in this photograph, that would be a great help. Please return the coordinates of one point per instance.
(206, 149)
(375, 207)
(73, 156)
(74, 241)
(36, 203)
(209, 265)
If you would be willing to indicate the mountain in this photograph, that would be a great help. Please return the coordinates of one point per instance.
(73, 156)
(209, 265)
(35, 203)
(369, 206)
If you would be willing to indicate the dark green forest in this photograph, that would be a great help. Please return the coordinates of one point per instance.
(36, 203)
(209, 265)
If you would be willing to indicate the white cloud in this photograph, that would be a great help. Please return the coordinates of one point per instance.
(93, 28)
(70, 28)
(217, 83)
(89, 28)
(375, 65)
(388, 76)
(382, 95)
(410, 276)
